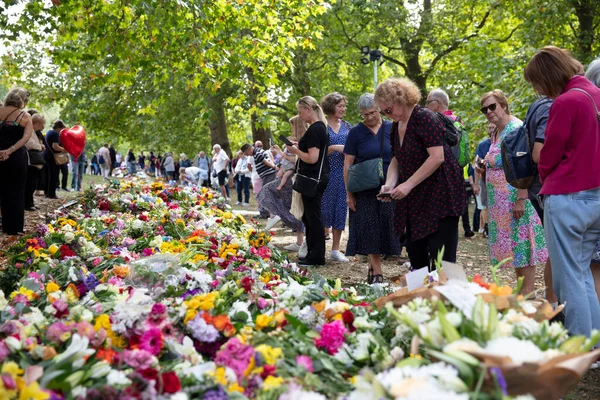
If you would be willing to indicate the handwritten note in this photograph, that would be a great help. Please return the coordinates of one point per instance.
(461, 294)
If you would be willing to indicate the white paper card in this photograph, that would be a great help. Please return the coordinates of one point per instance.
(459, 294)
(454, 271)
(414, 279)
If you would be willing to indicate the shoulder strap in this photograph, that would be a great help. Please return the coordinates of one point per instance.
(381, 139)
(591, 98)
(9, 114)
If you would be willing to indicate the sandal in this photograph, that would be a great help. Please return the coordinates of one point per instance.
(370, 276)
(378, 278)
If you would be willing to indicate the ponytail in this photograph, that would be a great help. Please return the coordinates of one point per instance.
(321, 115)
(310, 102)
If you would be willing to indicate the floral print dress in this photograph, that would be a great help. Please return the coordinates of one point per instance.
(521, 240)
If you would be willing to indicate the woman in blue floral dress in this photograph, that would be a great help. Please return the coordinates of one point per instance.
(334, 207)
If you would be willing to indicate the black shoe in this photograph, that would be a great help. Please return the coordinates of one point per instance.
(305, 262)
(31, 208)
(469, 234)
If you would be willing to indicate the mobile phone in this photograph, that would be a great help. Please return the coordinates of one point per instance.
(285, 140)
(387, 195)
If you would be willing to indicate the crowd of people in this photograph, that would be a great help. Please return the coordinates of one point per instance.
(396, 178)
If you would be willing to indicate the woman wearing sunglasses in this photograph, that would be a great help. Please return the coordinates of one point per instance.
(515, 230)
(423, 177)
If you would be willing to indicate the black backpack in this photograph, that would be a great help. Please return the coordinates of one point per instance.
(517, 153)
(452, 135)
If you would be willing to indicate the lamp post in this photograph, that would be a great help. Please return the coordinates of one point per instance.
(373, 56)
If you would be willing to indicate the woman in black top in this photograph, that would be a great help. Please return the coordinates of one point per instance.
(311, 151)
(15, 130)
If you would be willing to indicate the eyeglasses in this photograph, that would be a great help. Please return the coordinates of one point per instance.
(431, 101)
(369, 114)
(386, 112)
(491, 107)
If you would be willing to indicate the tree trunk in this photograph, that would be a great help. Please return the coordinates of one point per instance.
(585, 10)
(217, 123)
(259, 132)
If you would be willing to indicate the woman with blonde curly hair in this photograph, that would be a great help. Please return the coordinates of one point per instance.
(15, 130)
(423, 178)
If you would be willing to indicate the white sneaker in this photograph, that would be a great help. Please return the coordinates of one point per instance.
(245, 204)
(237, 203)
(271, 222)
(303, 252)
(336, 255)
(229, 199)
(292, 247)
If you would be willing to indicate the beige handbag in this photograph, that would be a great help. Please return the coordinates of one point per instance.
(61, 158)
(297, 209)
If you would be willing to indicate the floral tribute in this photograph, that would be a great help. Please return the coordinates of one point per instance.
(146, 291)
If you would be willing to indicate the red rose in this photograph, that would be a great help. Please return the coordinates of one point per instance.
(171, 382)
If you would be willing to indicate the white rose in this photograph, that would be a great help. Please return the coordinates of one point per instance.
(13, 343)
(117, 378)
(69, 237)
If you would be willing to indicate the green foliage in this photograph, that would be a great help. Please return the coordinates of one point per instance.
(159, 74)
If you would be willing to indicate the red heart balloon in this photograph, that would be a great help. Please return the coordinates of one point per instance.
(73, 140)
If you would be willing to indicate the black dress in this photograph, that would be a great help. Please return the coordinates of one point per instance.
(13, 176)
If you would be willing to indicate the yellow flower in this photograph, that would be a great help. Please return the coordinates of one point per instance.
(204, 302)
(52, 287)
(53, 249)
(272, 382)
(51, 230)
(234, 387)
(12, 368)
(189, 315)
(24, 291)
(270, 354)
(102, 321)
(220, 376)
(262, 321)
(33, 392)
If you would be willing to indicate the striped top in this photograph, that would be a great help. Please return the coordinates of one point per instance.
(259, 156)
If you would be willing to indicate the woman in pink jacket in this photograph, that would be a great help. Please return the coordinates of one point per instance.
(570, 174)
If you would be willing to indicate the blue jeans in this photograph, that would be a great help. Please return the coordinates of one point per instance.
(243, 183)
(77, 170)
(572, 226)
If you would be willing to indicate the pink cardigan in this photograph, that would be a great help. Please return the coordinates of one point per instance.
(570, 158)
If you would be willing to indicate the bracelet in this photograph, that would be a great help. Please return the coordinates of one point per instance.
(522, 198)
(13, 147)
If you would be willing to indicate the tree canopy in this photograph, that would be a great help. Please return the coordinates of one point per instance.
(182, 75)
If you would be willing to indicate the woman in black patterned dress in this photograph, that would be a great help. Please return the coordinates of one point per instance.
(423, 178)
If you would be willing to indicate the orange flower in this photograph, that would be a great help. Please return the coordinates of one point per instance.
(121, 270)
(107, 355)
(220, 322)
(500, 290)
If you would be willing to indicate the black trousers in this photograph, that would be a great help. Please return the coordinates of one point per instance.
(13, 176)
(52, 176)
(423, 252)
(64, 170)
(33, 175)
(465, 216)
(313, 223)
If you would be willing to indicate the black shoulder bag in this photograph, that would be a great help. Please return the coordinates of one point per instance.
(306, 185)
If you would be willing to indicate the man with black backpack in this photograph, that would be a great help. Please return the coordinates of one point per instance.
(536, 118)
(520, 155)
(438, 101)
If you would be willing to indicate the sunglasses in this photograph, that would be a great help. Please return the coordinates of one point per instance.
(431, 101)
(491, 107)
(386, 112)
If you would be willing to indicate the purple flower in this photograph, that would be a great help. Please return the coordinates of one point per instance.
(4, 351)
(91, 282)
(202, 331)
(55, 331)
(218, 394)
(41, 230)
(497, 372)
